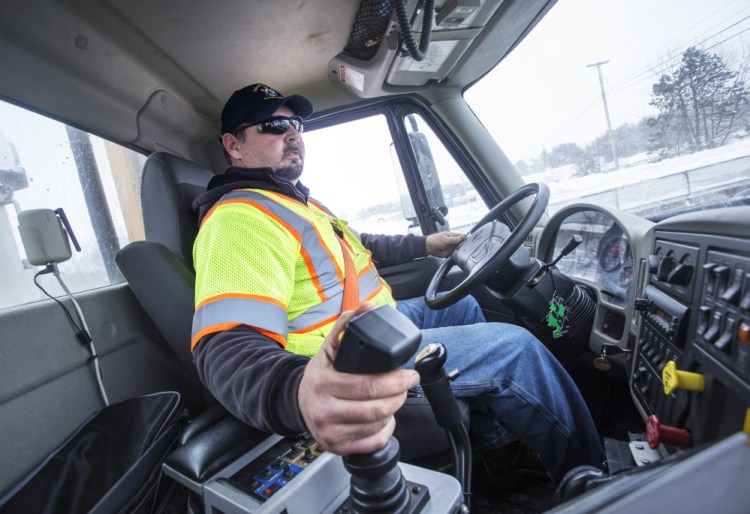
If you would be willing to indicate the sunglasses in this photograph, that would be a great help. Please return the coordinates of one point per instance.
(277, 125)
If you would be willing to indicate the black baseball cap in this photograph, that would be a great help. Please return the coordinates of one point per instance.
(256, 103)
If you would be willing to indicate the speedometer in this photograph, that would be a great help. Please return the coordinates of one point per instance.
(613, 254)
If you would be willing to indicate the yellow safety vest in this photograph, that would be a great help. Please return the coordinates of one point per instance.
(275, 264)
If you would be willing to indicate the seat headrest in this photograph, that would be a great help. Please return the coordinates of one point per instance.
(168, 188)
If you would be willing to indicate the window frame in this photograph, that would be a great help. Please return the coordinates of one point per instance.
(395, 110)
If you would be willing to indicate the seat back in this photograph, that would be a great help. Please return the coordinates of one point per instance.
(169, 186)
(160, 269)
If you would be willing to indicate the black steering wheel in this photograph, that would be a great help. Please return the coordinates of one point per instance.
(488, 246)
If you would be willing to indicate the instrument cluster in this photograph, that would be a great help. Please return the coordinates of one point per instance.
(604, 256)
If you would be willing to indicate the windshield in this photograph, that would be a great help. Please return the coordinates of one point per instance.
(639, 106)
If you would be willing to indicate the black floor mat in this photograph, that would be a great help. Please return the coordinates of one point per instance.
(532, 498)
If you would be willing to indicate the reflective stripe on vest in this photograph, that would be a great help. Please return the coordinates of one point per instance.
(311, 227)
(263, 313)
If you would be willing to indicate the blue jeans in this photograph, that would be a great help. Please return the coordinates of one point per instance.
(516, 389)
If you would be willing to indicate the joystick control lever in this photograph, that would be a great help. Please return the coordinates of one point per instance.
(429, 364)
(378, 341)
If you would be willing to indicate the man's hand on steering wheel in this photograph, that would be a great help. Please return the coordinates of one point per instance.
(442, 244)
(488, 246)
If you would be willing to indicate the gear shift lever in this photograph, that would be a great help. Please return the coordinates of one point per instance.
(377, 341)
(429, 364)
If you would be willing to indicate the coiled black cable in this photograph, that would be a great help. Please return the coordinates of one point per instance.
(416, 52)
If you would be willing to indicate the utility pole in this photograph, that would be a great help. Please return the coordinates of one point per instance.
(610, 134)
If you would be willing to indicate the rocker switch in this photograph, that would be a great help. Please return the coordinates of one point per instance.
(721, 273)
(710, 279)
(704, 317)
(713, 332)
(725, 341)
(732, 294)
(745, 302)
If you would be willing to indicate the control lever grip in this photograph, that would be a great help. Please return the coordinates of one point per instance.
(429, 364)
(377, 341)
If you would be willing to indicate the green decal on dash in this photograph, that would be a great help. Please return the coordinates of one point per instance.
(557, 317)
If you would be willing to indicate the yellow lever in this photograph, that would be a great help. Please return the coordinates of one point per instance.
(675, 379)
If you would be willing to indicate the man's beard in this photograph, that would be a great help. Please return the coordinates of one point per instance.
(291, 173)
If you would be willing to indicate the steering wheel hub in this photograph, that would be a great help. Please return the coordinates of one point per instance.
(488, 246)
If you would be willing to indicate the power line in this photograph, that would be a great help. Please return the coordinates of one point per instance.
(637, 77)
(634, 60)
(642, 75)
(645, 74)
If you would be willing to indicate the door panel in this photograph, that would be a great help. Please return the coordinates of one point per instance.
(48, 386)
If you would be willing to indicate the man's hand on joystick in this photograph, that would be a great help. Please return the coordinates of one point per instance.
(349, 413)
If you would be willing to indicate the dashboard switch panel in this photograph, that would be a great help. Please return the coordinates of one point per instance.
(692, 352)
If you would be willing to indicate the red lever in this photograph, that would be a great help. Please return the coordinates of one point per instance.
(657, 433)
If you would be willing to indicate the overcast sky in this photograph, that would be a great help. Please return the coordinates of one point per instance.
(544, 94)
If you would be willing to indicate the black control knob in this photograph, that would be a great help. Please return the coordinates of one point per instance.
(641, 304)
(681, 275)
(666, 266)
(653, 263)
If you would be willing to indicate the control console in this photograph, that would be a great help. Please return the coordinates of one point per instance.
(691, 371)
(293, 475)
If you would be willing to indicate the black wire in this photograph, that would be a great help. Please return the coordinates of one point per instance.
(468, 467)
(454, 453)
(417, 53)
(64, 308)
(461, 433)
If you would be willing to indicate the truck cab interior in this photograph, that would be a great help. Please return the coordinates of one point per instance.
(617, 233)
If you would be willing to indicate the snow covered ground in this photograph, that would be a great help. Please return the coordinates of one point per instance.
(638, 186)
(639, 182)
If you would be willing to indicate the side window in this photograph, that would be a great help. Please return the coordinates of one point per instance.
(448, 190)
(45, 164)
(354, 170)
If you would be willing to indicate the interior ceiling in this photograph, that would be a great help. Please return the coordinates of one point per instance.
(97, 62)
(286, 44)
(135, 71)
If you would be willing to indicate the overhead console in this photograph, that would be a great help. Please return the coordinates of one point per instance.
(691, 366)
(377, 51)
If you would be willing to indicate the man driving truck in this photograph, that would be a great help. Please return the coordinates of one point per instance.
(273, 271)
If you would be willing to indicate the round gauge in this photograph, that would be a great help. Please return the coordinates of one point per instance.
(613, 254)
(625, 275)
